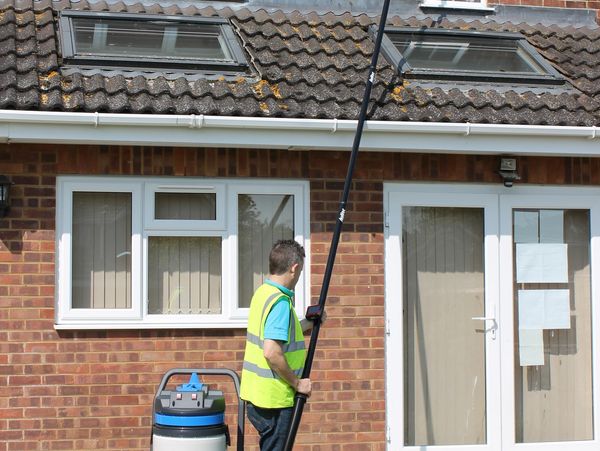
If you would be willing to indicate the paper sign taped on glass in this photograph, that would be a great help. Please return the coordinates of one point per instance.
(531, 347)
(544, 309)
(542, 263)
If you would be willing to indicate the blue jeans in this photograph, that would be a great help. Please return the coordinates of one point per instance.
(272, 426)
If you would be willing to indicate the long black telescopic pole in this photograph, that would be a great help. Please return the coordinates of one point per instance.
(315, 312)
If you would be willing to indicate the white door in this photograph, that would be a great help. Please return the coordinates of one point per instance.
(490, 318)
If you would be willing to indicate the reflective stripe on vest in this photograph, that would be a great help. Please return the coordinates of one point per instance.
(269, 374)
(260, 384)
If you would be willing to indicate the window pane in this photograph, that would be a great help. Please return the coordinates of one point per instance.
(184, 275)
(553, 337)
(131, 38)
(262, 220)
(444, 350)
(196, 206)
(101, 242)
(465, 54)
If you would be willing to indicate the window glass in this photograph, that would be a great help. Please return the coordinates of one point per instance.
(262, 220)
(437, 54)
(190, 206)
(154, 42)
(184, 275)
(133, 38)
(101, 240)
(465, 54)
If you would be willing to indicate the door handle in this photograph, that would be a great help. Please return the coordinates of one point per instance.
(492, 329)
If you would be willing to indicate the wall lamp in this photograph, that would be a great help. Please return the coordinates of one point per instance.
(4, 195)
(508, 171)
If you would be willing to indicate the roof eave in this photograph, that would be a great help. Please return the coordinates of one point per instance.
(294, 134)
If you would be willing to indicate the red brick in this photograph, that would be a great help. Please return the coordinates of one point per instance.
(96, 387)
(24, 380)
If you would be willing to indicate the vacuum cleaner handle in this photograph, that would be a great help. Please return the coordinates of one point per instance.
(206, 371)
(214, 372)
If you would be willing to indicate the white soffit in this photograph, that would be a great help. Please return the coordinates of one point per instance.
(294, 134)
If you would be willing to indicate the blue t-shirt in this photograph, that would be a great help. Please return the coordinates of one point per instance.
(277, 325)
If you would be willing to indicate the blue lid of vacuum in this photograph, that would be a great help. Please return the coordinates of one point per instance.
(191, 404)
(193, 385)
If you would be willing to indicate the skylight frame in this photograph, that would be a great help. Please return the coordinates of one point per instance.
(394, 56)
(227, 39)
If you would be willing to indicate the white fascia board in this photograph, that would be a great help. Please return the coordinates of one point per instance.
(294, 134)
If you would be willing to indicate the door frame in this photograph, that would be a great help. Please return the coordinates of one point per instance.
(494, 199)
(397, 195)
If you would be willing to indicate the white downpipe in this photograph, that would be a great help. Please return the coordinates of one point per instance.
(298, 134)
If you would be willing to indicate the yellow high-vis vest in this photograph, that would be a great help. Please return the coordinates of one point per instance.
(260, 384)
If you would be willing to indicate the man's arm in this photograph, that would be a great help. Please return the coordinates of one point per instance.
(273, 352)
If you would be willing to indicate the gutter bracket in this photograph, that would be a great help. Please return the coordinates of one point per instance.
(468, 131)
(335, 126)
(96, 119)
(594, 128)
(196, 121)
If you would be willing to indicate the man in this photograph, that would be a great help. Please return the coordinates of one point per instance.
(275, 352)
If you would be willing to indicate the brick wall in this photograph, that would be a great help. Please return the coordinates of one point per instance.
(575, 4)
(77, 390)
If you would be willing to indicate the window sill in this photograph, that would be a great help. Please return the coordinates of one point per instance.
(132, 325)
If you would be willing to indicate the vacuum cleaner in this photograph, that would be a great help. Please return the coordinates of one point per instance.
(192, 417)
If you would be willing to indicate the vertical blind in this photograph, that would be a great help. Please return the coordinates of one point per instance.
(101, 242)
(444, 351)
(184, 275)
(187, 206)
(184, 272)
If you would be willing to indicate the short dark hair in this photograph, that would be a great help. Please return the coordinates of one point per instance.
(285, 254)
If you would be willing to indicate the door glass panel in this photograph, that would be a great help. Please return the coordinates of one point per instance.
(553, 337)
(444, 352)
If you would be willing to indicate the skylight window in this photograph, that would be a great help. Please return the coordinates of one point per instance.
(460, 55)
(113, 40)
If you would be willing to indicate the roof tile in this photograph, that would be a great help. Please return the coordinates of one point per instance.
(308, 65)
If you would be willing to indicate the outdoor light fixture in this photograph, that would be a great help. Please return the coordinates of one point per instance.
(4, 195)
(508, 171)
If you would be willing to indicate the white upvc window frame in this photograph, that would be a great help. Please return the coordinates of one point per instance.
(144, 226)
(64, 228)
(460, 5)
(301, 234)
(152, 188)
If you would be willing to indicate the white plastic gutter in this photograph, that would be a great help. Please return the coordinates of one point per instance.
(294, 134)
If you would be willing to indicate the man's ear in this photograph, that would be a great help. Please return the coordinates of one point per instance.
(294, 268)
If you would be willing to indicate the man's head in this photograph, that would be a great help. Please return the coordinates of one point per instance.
(286, 261)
